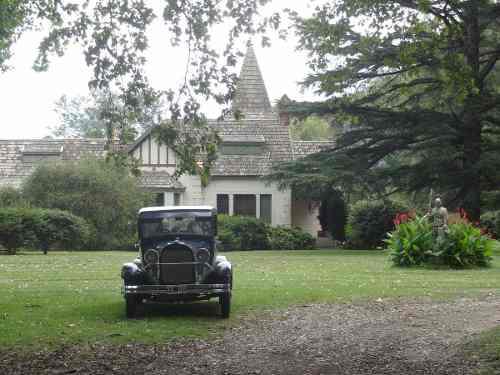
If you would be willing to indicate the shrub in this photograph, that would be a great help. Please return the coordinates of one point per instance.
(285, 238)
(242, 233)
(370, 221)
(411, 242)
(42, 229)
(490, 222)
(11, 197)
(464, 245)
(103, 193)
(247, 233)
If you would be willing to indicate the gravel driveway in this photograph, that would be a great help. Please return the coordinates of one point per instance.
(379, 337)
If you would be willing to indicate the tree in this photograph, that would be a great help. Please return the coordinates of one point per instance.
(113, 36)
(78, 117)
(312, 128)
(417, 79)
(90, 117)
(102, 193)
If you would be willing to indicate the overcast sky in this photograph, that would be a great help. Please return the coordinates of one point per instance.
(27, 98)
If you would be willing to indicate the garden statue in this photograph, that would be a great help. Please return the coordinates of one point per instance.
(439, 217)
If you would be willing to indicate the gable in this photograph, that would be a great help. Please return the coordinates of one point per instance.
(149, 152)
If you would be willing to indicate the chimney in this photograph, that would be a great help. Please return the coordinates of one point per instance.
(283, 104)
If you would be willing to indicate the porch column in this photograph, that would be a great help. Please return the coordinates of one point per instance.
(257, 209)
(231, 205)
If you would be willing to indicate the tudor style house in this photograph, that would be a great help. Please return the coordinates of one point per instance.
(250, 147)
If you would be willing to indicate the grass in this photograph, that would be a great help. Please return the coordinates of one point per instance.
(74, 297)
(486, 349)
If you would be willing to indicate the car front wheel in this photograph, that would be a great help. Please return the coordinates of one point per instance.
(131, 305)
(225, 304)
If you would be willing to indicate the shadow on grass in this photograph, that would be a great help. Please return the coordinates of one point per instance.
(195, 310)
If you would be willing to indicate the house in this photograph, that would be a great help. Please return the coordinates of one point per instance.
(250, 146)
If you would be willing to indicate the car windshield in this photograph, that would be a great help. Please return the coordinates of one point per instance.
(176, 223)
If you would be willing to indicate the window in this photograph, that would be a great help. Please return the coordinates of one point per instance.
(160, 199)
(245, 205)
(223, 204)
(266, 208)
(177, 199)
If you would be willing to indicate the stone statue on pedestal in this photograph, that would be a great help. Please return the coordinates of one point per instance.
(439, 218)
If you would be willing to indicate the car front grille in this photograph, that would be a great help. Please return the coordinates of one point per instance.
(177, 273)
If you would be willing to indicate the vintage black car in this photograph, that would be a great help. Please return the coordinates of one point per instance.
(177, 259)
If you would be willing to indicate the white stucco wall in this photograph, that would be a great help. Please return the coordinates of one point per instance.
(305, 216)
(195, 194)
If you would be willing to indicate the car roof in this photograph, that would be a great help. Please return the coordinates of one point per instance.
(176, 208)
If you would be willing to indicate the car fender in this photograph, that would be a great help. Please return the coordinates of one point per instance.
(224, 269)
(132, 274)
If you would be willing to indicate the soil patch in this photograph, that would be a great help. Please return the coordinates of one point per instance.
(379, 337)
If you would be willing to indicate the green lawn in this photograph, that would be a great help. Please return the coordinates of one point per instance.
(68, 297)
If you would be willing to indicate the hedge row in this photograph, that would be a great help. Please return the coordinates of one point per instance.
(42, 229)
(247, 233)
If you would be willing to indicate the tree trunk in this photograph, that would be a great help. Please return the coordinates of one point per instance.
(471, 187)
(471, 163)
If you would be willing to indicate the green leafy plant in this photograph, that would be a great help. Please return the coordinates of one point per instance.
(411, 242)
(462, 245)
(11, 197)
(370, 221)
(42, 229)
(248, 233)
(104, 193)
(490, 222)
(242, 233)
(285, 238)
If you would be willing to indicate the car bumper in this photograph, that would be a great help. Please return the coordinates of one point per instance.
(176, 290)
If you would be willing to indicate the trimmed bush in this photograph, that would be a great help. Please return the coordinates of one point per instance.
(490, 222)
(248, 233)
(242, 233)
(464, 245)
(103, 193)
(285, 238)
(370, 221)
(42, 229)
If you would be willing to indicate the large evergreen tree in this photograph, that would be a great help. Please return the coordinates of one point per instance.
(418, 82)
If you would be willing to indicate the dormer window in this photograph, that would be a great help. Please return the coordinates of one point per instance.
(34, 153)
(242, 145)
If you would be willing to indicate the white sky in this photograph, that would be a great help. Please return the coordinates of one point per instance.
(27, 98)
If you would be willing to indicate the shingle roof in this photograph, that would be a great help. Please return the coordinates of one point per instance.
(14, 168)
(264, 126)
(243, 138)
(301, 149)
(43, 148)
(159, 179)
(251, 94)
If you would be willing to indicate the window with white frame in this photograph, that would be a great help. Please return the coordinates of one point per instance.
(245, 205)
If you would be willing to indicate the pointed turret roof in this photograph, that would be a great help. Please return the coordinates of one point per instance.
(251, 94)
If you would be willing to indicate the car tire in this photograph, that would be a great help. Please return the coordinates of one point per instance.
(225, 305)
(131, 306)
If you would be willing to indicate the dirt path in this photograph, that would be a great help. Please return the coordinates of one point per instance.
(385, 337)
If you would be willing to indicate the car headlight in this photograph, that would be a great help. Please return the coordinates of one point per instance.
(203, 255)
(151, 256)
